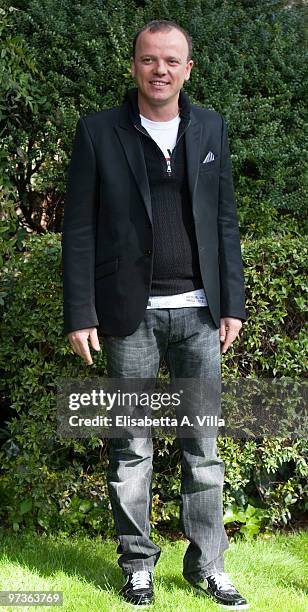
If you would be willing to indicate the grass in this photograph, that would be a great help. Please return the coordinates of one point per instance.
(270, 573)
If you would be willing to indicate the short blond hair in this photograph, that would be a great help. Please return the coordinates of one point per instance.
(163, 25)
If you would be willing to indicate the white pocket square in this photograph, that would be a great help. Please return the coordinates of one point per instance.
(209, 158)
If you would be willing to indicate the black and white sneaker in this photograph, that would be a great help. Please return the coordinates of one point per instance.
(220, 588)
(138, 589)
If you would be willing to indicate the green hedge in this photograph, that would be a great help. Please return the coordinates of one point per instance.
(250, 64)
(48, 484)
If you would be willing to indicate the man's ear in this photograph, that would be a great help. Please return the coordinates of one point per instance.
(189, 67)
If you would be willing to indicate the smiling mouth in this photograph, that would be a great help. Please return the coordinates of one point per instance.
(159, 83)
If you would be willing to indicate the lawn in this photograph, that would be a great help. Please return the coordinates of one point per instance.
(270, 573)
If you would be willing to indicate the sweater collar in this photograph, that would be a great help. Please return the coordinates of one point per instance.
(131, 99)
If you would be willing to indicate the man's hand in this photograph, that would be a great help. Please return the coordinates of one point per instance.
(229, 330)
(79, 342)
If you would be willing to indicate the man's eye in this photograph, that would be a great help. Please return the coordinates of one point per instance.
(146, 60)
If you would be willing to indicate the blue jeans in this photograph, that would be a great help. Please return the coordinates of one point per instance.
(189, 343)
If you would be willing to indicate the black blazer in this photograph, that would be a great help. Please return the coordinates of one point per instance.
(107, 232)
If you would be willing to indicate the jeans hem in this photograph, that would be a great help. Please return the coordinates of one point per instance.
(202, 573)
(137, 568)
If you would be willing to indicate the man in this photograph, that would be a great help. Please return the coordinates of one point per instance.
(151, 257)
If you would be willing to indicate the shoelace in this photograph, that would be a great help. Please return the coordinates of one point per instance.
(141, 579)
(222, 581)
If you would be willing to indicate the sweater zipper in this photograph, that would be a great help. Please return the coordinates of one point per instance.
(168, 162)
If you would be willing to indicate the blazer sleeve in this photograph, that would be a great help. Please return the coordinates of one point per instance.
(79, 234)
(230, 259)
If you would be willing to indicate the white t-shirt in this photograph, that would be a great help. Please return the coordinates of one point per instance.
(165, 135)
(163, 132)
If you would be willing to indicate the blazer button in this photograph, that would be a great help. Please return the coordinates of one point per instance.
(148, 252)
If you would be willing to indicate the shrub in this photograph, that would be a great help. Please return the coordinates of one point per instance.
(250, 65)
(53, 484)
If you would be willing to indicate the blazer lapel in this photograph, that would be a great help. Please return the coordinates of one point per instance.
(135, 158)
(134, 154)
(193, 137)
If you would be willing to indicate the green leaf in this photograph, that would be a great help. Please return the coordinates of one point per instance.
(85, 506)
(25, 506)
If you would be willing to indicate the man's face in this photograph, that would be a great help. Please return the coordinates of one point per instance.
(160, 66)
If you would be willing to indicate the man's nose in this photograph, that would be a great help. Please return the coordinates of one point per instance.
(160, 68)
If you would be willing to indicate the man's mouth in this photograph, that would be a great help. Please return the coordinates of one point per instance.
(159, 83)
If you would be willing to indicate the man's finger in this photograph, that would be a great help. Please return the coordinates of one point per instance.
(79, 342)
(231, 328)
(222, 333)
(82, 349)
(94, 340)
(85, 351)
(230, 337)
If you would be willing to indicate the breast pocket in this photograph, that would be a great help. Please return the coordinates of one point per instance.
(106, 267)
(212, 166)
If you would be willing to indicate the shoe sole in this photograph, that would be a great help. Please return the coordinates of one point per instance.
(147, 605)
(224, 606)
(138, 605)
(236, 607)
